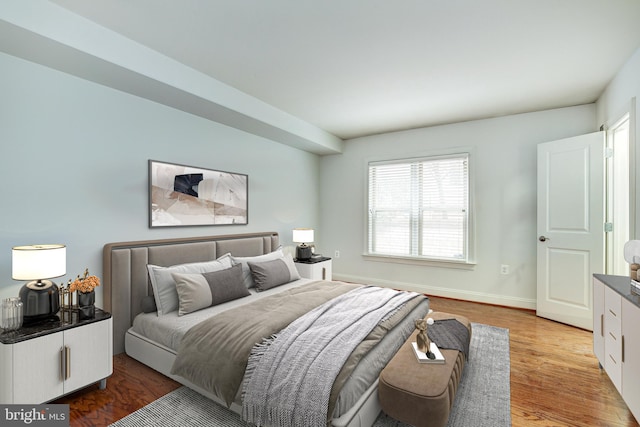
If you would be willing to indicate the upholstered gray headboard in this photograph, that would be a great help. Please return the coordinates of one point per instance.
(125, 277)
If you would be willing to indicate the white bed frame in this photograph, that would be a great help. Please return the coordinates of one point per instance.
(160, 358)
(126, 284)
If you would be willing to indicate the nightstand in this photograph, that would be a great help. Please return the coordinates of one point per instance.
(315, 268)
(51, 358)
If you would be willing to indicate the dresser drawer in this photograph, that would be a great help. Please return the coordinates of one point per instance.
(612, 312)
(613, 336)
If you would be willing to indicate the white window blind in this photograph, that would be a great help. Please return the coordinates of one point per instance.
(419, 208)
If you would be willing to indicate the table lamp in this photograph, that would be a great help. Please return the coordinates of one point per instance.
(303, 236)
(37, 263)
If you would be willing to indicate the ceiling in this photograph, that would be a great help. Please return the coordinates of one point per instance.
(361, 67)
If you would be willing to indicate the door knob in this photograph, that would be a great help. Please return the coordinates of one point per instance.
(543, 238)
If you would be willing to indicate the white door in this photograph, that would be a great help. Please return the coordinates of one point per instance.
(570, 227)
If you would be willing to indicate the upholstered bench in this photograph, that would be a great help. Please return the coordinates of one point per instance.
(421, 394)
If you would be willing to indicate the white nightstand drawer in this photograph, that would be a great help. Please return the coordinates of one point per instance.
(315, 270)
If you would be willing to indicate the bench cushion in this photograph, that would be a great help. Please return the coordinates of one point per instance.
(421, 394)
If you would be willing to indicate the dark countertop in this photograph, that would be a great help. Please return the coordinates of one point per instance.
(312, 260)
(620, 284)
(65, 319)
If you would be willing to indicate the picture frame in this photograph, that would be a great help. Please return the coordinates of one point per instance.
(181, 195)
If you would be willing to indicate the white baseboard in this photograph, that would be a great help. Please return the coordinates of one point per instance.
(437, 291)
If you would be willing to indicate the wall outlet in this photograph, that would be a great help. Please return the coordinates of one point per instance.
(336, 254)
(504, 269)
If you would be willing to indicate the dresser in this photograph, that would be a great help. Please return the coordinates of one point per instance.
(43, 361)
(616, 335)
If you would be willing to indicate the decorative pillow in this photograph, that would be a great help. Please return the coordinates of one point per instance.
(269, 274)
(246, 271)
(164, 287)
(149, 304)
(198, 291)
(193, 292)
(226, 285)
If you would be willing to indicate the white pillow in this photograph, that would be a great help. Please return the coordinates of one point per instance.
(164, 287)
(246, 271)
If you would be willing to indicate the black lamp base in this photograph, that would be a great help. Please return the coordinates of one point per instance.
(40, 300)
(303, 252)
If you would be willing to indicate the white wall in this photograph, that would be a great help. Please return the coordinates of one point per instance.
(621, 97)
(504, 160)
(73, 168)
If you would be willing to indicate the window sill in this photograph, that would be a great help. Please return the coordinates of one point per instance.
(462, 265)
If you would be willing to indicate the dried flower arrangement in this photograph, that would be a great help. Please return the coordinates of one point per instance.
(85, 284)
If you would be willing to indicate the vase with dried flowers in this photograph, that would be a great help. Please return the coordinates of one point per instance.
(85, 287)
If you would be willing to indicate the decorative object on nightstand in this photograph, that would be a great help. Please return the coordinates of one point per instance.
(85, 287)
(37, 263)
(11, 314)
(303, 236)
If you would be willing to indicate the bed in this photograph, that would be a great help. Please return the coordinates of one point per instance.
(157, 335)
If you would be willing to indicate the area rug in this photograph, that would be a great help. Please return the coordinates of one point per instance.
(483, 398)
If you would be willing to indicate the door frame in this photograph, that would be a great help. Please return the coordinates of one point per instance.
(630, 111)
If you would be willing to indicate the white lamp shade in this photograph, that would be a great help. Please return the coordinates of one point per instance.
(303, 235)
(37, 262)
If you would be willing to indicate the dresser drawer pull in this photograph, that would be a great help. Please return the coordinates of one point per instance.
(602, 325)
(612, 312)
(622, 349)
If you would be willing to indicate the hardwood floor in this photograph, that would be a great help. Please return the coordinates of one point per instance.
(555, 378)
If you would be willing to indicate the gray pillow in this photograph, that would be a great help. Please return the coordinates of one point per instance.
(164, 287)
(226, 285)
(246, 271)
(149, 304)
(269, 274)
(198, 291)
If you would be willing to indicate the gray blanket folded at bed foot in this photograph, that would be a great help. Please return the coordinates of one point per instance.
(450, 334)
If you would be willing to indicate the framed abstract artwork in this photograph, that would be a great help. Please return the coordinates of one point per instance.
(181, 195)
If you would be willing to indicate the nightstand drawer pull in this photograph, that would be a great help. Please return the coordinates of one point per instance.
(67, 358)
(65, 363)
(62, 364)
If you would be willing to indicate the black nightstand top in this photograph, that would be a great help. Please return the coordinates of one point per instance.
(66, 319)
(312, 260)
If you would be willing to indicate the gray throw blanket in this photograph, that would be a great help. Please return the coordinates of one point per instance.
(451, 334)
(289, 377)
(213, 354)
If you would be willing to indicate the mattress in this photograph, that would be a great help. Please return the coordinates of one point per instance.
(168, 330)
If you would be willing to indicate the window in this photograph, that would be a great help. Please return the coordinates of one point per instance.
(419, 208)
